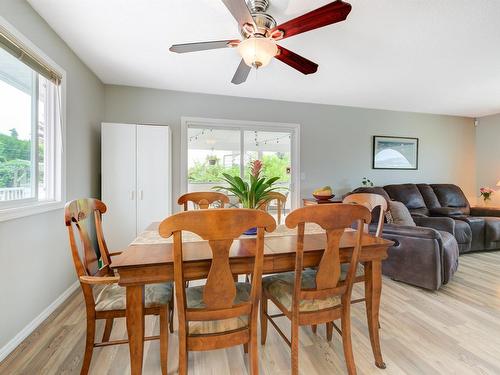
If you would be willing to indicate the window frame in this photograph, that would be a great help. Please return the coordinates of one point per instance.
(32, 206)
(242, 125)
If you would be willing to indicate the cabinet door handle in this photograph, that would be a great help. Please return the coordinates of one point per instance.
(132, 195)
(141, 195)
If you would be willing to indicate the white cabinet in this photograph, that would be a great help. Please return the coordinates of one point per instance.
(135, 179)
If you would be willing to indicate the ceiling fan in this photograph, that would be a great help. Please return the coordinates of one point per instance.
(260, 34)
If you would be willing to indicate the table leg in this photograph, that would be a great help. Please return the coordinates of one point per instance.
(135, 327)
(373, 291)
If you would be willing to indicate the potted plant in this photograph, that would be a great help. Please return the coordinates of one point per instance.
(252, 193)
(212, 159)
(367, 182)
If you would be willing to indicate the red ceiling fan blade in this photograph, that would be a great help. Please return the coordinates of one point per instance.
(326, 15)
(298, 62)
(203, 46)
(241, 73)
(240, 11)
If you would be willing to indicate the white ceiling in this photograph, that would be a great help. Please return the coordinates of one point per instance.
(435, 56)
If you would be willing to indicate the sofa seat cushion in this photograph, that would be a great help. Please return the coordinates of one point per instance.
(280, 287)
(450, 256)
(194, 300)
(113, 296)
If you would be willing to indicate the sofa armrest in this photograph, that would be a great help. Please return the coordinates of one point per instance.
(444, 224)
(415, 257)
(484, 211)
(408, 231)
(446, 211)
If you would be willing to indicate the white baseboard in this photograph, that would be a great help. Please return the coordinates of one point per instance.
(26, 331)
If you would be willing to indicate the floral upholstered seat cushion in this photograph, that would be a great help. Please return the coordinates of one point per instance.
(194, 300)
(280, 287)
(113, 296)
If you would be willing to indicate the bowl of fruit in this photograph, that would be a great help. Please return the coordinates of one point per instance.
(323, 194)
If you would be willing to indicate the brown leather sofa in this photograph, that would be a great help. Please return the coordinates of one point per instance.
(427, 255)
(476, 228)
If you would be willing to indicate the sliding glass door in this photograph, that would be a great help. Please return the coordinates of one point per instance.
(213, 149)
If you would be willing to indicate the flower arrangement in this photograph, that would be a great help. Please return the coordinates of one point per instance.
(486, 193)
(251, 193)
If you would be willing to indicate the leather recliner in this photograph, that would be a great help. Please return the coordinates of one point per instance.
(425, 255)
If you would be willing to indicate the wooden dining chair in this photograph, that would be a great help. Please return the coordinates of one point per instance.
(104, 298)
(222, 313)
(203, 199)
(370, 201)
(322, 295)
(280, 203)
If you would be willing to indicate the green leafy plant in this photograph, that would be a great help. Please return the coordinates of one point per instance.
(251, 193)
(367, 182)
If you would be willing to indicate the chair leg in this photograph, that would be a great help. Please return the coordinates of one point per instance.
(329, 331)
(183, 353)
(164, 317)
(347, 340)
(252, 349)
(295, 348)
(107, 330)
(171, 307)
(314, 328)
(245, 348)
(263, 320)
(89, 345)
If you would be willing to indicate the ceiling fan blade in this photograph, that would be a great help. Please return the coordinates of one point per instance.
(298, 62)
(241, 73)
(202, 46)
(240, 11)
(326, 15)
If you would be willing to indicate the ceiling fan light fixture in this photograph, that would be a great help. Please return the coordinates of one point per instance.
(257, 51)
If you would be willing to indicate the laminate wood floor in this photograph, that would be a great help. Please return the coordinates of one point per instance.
(453, 331)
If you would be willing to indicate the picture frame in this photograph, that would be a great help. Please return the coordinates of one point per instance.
(390, 152)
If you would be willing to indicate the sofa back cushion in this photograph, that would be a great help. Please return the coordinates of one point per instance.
(430, 198)
(450, 195)
(408, 194)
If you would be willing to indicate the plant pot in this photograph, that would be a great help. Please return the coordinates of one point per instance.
(251, 231)
(212, 161)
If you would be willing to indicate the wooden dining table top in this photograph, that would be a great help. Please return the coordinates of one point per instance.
(144, 254)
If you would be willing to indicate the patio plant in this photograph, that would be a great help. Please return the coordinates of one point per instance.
(255, 191)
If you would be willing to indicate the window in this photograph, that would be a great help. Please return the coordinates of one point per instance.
(30, 129)
(215, 147)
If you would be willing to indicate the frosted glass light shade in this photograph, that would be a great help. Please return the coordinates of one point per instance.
(257, 51)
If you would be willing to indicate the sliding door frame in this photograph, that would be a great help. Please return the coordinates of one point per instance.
(242, 125)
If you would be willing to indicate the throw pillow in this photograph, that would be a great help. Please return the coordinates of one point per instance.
(388, 217)
(400, 214)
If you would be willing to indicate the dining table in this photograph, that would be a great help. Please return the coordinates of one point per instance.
(149, 259)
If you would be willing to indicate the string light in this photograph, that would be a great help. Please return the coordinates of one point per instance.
(271, 140)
